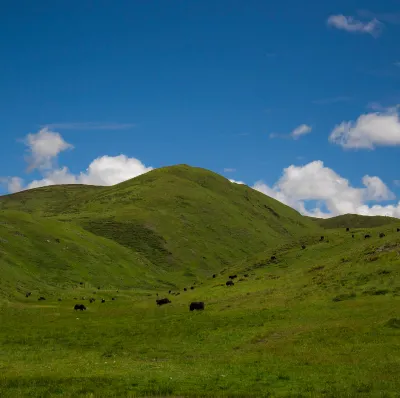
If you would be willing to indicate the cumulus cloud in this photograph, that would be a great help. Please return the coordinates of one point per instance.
(315, 182)
(43, 148)
(350, 24)
(105, 171)
(369, 130)
(295, 134)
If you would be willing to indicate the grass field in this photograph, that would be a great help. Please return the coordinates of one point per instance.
(323, 321)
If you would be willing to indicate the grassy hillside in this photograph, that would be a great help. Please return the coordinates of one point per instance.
(355, 221)
(49, 257)
(179, 218)
(323, 321)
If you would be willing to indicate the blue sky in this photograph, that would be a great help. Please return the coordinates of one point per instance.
(215, 84)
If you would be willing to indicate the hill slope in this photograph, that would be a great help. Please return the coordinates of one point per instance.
(47, 256)
(323, 321)
(179, 218)
(355, 221)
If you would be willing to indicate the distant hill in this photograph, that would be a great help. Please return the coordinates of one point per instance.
(355, 221)
(178, 219)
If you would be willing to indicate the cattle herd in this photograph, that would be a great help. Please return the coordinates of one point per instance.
(196, 305)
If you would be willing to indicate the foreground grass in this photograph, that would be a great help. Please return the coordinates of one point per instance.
(316, 322)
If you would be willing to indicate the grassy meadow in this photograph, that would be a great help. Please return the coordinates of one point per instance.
(318, 321)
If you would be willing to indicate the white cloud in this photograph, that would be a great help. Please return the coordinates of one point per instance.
(369, 130)
(316, 182)
(229, 170)
(237, 182)
(353, 25)
(295, 134)
(105, 171)
(44, 147)
(13, 184)
(300, 130)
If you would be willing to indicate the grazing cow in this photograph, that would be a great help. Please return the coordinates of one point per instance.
(229, 283)
(381, 235)
(41, 298)
(79, 307)
(196, 305)
(303, 246)
(246, 275)
(103, 301)
(367, 236)
(28, 294)
(347, 229)
(81, 283)
(113, 298)
(398, 229)
(184, 289)
(192, 287)
(232, 276)
(273, 258)
(321, 238)
(163, 301)
(91, 300)
(98, 288)
(59, 299)
(352, 235)
(214, 276)
(57, 240)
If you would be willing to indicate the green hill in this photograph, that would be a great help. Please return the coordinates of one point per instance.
(179, 219)
(355, 221)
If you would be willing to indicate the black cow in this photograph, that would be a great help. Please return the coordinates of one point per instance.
(273, 258)
(103, 301)
(98, 288)
(232, 276)
(196, 305)
(367, 236)
(169, 291)
(192, 287)
(303, 247)
(322, 238)
(347, 229)
(381, 235)
(91, 300)
(352, 235)
(81, 283)
(214, 276)
(59, 299)
(79, 307)
(41, 298)
(398, 229)
(229, 283)
(246, 275)
(28, 294)
(184, 289)
(163, 301)
(113, 298)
